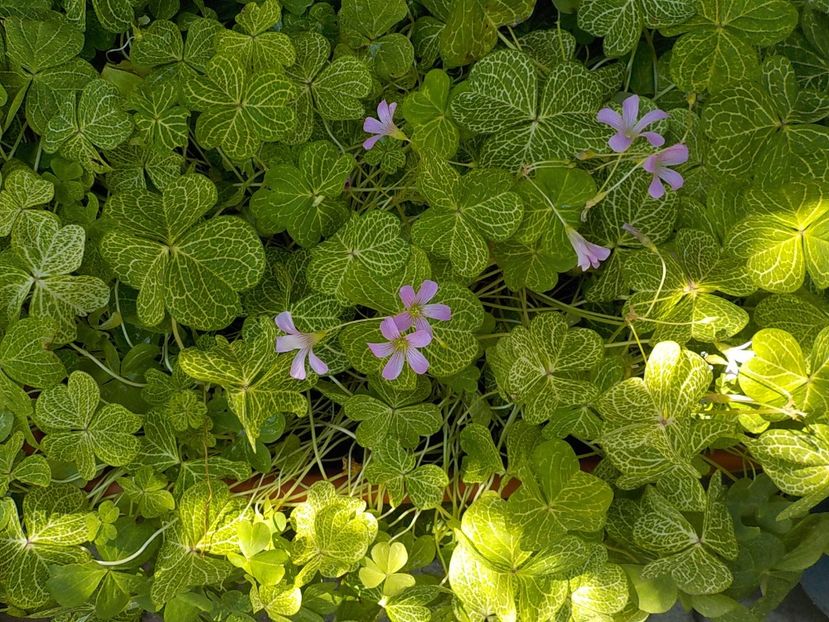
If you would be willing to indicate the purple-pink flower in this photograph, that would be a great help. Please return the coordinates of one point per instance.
(628, 128)
(296, 340)
(417, 310)
(589, 255)
(657, 165)
(382, 126)
(401, 349)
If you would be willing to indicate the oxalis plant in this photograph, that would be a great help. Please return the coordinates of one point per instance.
(412, 310)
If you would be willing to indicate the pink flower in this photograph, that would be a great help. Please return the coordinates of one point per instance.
(628, 128)
(384, 126)
(295, 340)
(417, 310)
(589, 255)
(657, 165)
(401, 348)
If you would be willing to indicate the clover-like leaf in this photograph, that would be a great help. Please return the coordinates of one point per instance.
(78, 430)
(56, 521)
(427, 112)
(620, 22)
(22, 190)
(94, 120)
(719, 43)
(148, 491)
(256, 380)
(548, 364)
(528, 122)
(802, 317)
(240, 110)
(305, 199)
(481, 458)
(681, 300)
(44, 256)
(465, 212)
(190, 267)
(395, 468)
(779, 374)
(786, 236)
(368, 243)
(559, 497)
(767, 128)
(159, 119)
(14, 466)
(397, 414)
(208, 518)
(254, 40)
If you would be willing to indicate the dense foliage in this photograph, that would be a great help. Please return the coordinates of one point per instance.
(412, 309)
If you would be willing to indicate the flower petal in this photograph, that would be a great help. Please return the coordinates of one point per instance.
(403, 320)
(437, 312)
(630, 110)
(381, 350)
(373, 126)
(610, 117)
(656, 189)
(383, 112)
(394, 366)
(286, 343)
(286, 323)
(598, 253)
(389, 329)
(298, 365)
(673, 178)
(317, 364)
(419, 339)
(650, 117)
(407, 296)
(651, 163)
(370, 142)
(423, 324)
(675, 154)
(427, 291)
(392, 108)
(656, 140)
(417, 361)
(620, 142)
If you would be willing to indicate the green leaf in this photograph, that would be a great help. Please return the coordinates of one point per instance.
(800, 316)
(56, 522)
(482, 459)
(240, 110)
(394, 467)
(73, 585)
(559, 497)
(369, 243)
(546, 369)
(786, 236)
(95, 120)
(464, 213)
(620, 22)
(158, 118)
(254, 41)
(780, 375)
(529, 123)
(114, 15)
(366, 20)
(24, 355)
(191, 268)
(759, 129)
(255, 378)
(427, 112)
(305, 199)
(14, 466)
(719, 44)
(78, 430)
(148, 491)
(38, 45)
(22, 190)
(44, 256)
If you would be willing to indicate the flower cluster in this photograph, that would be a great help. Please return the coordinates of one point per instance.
(400, 348)
(629, 127)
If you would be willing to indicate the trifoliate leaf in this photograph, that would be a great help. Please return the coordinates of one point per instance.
(465, 212)
(114, 15)
(528, 122)
(366, 20)
(369, 243)
(78, 430)
(255, 379)
(137, 167)
(159, 119)
(780, 375)
(95, 120)
(676, 290)
(800, 316)
(620, 22)
(559, 497)
(454, 344)
(394, 467)
(719, 44)
(45, 255)
(482, 459)
(56, 522)
(254, 41)
(14, 466)
(398, 415)
(809, 50)
(192, 269)
(148, 491)
(305, 199)
(759, 129)
(208, 518)
(24, 355)
(427, 112)
(548, 365)
(528, 265)
(786, 236)
(22, 190)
